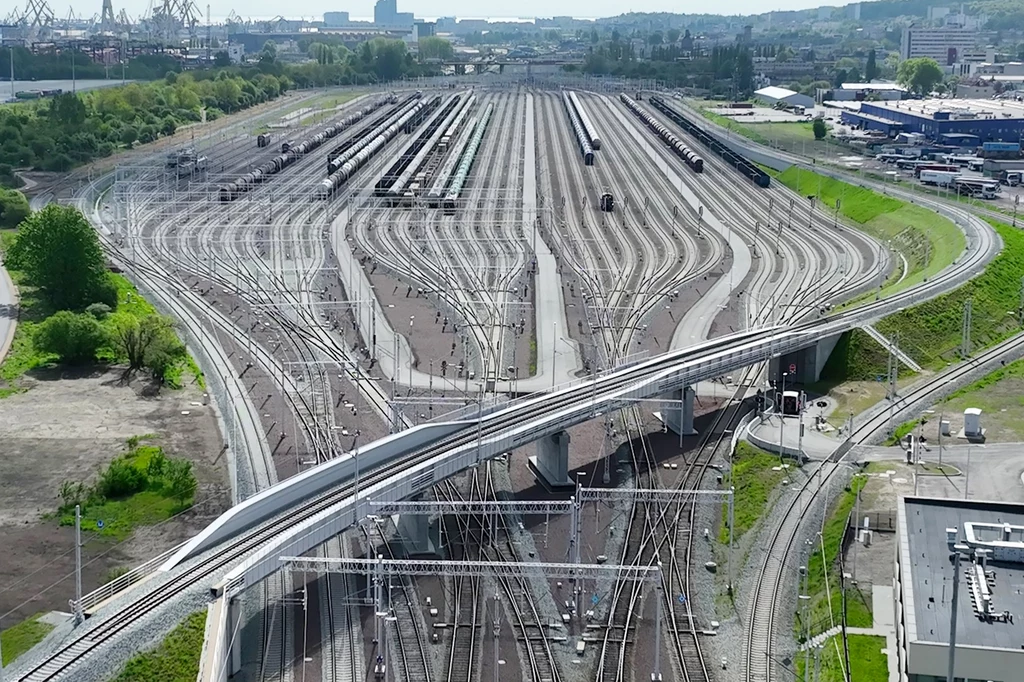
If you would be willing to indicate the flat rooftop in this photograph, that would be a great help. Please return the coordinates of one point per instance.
(980, 108)
(931, 573)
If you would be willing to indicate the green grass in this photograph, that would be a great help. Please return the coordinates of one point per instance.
(930, 332)
(867, 661)
(824, 557)
(19, 638)
(176, 659)
(754, 480)
(901, 432)
(928, 241)
(998, 395)
(120, 516)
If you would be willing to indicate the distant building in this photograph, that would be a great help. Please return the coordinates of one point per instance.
(773, 94)
(990, 120)
(424, 29)
(944, 45)
(385, 12)
(989, 538)
(863, 91)
(335, 19)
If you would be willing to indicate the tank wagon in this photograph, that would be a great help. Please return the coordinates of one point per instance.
(588, 127)
(581, 135)
(395, 180)
(690, 157)
(346, 165)
(292, 152)
(451, 198)
(740, 163)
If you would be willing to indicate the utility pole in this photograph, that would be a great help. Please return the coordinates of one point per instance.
(497, 633)
(78, 565)
(965, 343)
(894, 370)
(958, 550)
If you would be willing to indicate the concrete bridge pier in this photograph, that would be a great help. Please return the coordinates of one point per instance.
(551, 463)
(677, 411)
(414, 531)
(803, 366)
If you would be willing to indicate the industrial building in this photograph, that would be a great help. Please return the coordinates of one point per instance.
(859, 92)
(773, 94)
(989, 539)
(944, 45)
(989, 120)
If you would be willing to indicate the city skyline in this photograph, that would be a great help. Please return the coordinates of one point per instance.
(363, 9)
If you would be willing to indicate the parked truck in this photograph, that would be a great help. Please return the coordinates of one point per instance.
(938, 177)
(1011, 178)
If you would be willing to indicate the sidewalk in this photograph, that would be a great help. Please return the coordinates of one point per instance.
(8, 311)
(814, 444)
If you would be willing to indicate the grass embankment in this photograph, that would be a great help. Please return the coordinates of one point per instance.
(930, 332)
(928, 241)
(823, 572)
(999, 396)
(755, 474)
(868, 663)
(176, 659)
(140, 487)
(19, 638)
(32, 310)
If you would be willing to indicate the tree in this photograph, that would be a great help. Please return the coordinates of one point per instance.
(221, 58)
(655, 38)
(13, 207)
(180, 479)
(60, 254)
(149, 342)
(672, 36)
(819, 129)
(73, 337)
(919, 74)
(433, 47)
(871, 68)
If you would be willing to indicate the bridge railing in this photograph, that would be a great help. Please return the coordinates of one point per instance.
(124, 581)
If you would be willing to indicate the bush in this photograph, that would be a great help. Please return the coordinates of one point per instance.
(13, 207)
(74, 338)
(820, 131)
(100, 311)
(121, 479)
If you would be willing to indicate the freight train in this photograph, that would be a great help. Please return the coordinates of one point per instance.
(586, 149)
(690, 157)
(291, 152)
(588, 127)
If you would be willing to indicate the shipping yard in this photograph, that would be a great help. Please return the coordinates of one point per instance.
(481, 352)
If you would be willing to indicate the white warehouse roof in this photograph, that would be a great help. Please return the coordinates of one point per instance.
(872, 86)
(775, 92)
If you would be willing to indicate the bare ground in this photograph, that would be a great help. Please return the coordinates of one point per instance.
(67, 427)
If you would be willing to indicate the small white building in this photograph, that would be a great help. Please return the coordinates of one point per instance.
(773, 94)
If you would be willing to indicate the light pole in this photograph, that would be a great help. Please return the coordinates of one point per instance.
(782, 416)
(412, 318)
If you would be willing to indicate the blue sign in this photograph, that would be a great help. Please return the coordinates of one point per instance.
(682, 599)
(99, 524)
(594, 600)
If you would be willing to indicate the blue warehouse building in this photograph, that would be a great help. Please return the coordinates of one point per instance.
(938, 119)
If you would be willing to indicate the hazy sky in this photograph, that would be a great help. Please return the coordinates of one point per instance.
(432, 8)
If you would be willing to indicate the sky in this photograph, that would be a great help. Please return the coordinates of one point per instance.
(433, 8)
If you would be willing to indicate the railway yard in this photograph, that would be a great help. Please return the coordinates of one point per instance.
(423, 256)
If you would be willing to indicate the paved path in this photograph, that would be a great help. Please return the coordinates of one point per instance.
(8, 311)
(814, 444)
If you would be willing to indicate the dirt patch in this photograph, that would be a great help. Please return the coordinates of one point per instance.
(67, 427)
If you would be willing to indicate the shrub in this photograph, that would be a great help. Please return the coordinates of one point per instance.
(74, 338)
(121, 479)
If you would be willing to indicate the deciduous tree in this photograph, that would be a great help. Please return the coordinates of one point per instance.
(13, 207)
(60, 254)
(73, 337)
(920, 74)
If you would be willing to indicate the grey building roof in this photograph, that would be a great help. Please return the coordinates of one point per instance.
(931, 574)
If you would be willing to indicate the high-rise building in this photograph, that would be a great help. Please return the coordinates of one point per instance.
(385, 12)
(944, 45)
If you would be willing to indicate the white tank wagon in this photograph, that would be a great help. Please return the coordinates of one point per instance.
(444, 175)
(588, 126)
(459, 179)
(581, 135)
(357, 157)
(401, 184)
